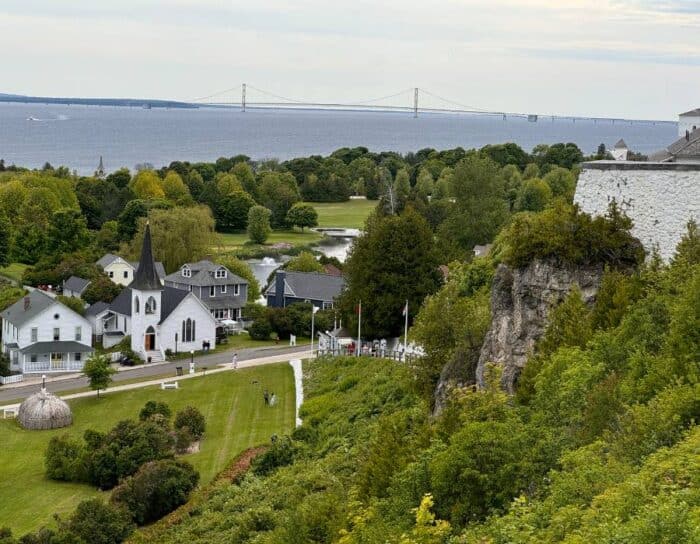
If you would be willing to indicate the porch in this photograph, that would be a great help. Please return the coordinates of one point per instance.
(54, 357)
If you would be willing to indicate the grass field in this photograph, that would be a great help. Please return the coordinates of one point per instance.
(236, 415)
(13, 271)
(232, 241)
(350, 214)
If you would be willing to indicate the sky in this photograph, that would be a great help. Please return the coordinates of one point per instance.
(619, 58)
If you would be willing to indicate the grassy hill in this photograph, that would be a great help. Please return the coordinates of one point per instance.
(232, 403)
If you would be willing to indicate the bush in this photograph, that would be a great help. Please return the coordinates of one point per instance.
(152, 408)
(183, 439)
(99, 523)
(260, 329)
(191, 418)
(64, 459)
(156, 489)
(280, 454)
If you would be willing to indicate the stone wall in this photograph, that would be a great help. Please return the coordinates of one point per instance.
(660, 198)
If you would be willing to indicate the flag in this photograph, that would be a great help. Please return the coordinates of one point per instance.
(404, 312)
(315, 309)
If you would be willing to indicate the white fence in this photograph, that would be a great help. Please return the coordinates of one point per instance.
(15, 378)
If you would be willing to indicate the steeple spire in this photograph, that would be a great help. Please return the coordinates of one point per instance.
(146, 277)
(100, 172)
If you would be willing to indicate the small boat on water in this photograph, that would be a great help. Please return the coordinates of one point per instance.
(31, 118)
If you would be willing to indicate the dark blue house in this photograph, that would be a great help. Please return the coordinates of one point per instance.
(291, 287)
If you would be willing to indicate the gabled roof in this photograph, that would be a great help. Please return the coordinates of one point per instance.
(122, 302)
(146, 278)
(29, 307)
(203, 273)
(109, 258)
(97, 308)
(621, 144)
(691, 113)
(310, 285)
(170, 299)
(75, 284)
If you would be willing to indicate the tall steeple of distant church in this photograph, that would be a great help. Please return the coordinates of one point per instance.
(146, 278)
(100, 172)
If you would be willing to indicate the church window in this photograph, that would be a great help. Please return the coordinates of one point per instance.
(188, 330)
(150, 305)
(137, 305)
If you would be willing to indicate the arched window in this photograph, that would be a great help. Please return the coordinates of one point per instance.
(150, 305)
(136, 305)
(188, 330)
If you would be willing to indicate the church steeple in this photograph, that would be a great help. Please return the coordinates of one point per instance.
(146, 278)
(100, 172)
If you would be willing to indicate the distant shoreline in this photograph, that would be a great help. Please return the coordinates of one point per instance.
(123, 102)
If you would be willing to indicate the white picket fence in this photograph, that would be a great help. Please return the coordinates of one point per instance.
(15, 378)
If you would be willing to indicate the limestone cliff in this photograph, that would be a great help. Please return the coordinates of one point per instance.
(521, 301)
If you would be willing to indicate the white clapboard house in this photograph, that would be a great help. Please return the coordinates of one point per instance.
(41, 335)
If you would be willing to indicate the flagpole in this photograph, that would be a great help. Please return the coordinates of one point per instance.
(359, 329)
(405, 332)
(313, 315)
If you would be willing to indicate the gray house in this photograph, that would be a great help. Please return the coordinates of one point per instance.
(75, 286)
(223, 292)
(291, 287)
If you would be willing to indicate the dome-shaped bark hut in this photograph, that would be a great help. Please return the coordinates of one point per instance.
(44, 411)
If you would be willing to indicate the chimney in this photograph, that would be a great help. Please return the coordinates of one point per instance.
(279, 288)
(27, 303)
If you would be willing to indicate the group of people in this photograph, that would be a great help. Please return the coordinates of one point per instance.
(270, 398)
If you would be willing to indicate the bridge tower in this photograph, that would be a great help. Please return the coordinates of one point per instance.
(243, 98)
(415, 102)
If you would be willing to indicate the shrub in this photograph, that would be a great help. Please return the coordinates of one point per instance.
(64, 459)
(152, 408)
(99, 523)
(260, 329)
(191, 418)
(183, 439)
(259, 224)
(280, 454)
(156, 489)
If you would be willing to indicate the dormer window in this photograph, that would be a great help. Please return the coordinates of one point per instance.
(186, 272)
(221, 273)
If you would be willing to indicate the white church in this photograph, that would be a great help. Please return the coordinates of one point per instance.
(157, 318)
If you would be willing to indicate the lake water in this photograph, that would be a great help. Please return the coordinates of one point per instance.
(76, 136)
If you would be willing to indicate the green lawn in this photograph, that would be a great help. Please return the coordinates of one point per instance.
(350, 214)
(13, 271)
(296, 237)
(236, 415)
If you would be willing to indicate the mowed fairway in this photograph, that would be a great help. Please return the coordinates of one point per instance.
(232, 403)
(349, 215)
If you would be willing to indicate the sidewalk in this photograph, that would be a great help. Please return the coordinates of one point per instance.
(220, 368)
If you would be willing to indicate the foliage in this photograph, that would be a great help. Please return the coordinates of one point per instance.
(394, 260)
(260, 329)
(279, 454)
(302, 215)
(191, 418)
(304, 262)
(232, 211)
(101, 288)
(5, 239)
(9, 295)
(74, 303)
(180, 235)
(64, 459)
(155, 408)
(147, 185)
(571, 236)
(259, 224)
(99, 523)
(534, 195)
(98, 371)
(156, 489)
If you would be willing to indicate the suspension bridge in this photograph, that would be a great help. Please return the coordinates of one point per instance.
(413, 100)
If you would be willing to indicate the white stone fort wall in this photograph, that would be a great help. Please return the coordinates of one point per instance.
(660, 199)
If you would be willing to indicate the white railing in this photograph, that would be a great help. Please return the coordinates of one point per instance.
(58, 366)
(15, 378)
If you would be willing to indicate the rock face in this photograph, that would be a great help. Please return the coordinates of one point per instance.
(521, 301)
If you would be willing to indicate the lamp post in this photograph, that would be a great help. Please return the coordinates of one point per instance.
(191, 361)
(314, 309)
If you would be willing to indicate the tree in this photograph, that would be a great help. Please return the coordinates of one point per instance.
(120, 178)
(402, 188)
(245, 175)
(5, 239)
(394, 260)
(278, 193)
(102, 289)
(534, 195)
(152, 408)
(232, 211)
(562, 182)
(63, 459)
(180, 235)
(128, 219)
(67, 232)
(98, 371)
(242, 269)
(191, 418)
(304, 262)
(175, 190)
(481, 206)
(74, 303)
(424, 184)
(259, 224)
(107, 239)
(146, 184)
(302, 215)
(99, 523)
(156, 489)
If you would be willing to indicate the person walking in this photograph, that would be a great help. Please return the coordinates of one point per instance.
(234, 361)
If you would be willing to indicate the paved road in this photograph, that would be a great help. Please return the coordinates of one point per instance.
(146, 371)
